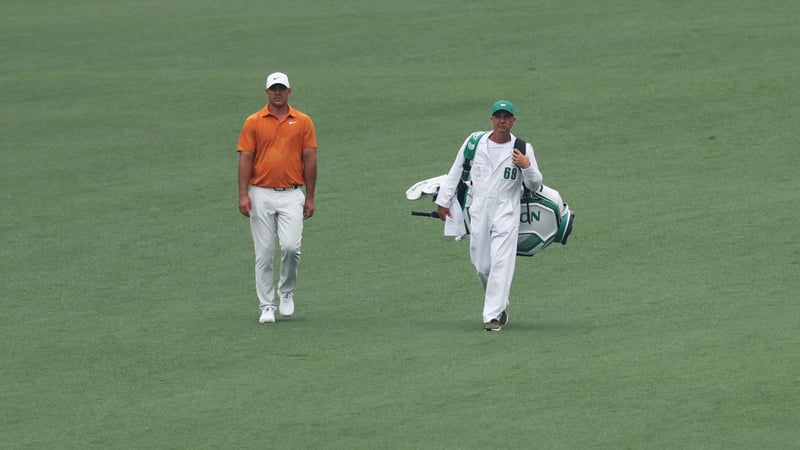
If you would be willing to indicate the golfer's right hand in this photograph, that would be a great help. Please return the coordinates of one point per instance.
(244, 205)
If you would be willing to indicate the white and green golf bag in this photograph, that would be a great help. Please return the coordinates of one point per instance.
(544, 217)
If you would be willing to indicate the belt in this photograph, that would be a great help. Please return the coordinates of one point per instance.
(283, 189)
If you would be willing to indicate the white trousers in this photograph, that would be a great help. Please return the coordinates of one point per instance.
(276, 215)
(493, 251)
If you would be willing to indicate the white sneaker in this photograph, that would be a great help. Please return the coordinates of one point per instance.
(286, 306)
(267, 316)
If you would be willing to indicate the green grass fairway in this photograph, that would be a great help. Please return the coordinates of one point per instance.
(670, 320)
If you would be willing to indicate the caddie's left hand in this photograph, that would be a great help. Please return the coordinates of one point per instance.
(520, 160)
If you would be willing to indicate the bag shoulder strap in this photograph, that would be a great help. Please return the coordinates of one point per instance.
(472, 145)
(469, 155)
(521, 145)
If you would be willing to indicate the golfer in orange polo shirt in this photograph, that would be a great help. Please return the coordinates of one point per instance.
(277, 156)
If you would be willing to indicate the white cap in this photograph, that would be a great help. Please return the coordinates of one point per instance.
(277, 78)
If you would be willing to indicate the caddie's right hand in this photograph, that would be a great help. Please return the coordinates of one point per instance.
(444, 213)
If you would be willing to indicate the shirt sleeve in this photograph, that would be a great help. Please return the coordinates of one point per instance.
(310, 135)
(247, 141)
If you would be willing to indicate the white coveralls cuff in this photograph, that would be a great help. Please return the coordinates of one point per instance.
(532, 178)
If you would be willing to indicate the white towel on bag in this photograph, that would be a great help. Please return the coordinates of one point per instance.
(454, 225)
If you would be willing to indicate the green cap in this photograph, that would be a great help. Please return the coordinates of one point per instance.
(503, 105)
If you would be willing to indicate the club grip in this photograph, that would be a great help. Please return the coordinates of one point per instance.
(433, 214)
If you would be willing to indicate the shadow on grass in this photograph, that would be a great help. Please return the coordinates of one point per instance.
(514, 326)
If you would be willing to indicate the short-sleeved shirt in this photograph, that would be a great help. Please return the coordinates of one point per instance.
(278, 145)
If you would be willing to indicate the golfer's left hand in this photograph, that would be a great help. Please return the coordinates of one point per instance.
(308, 209)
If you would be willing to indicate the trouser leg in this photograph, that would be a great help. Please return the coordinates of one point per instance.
(290, 234)
(263, 227)
(498, 284)
(480, 252)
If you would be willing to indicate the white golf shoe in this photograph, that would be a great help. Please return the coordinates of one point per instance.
(267, 316)
(286, 306)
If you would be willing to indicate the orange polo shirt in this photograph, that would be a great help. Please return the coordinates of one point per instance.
(278, 145)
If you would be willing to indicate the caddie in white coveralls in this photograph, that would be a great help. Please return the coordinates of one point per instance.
(498, 172)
